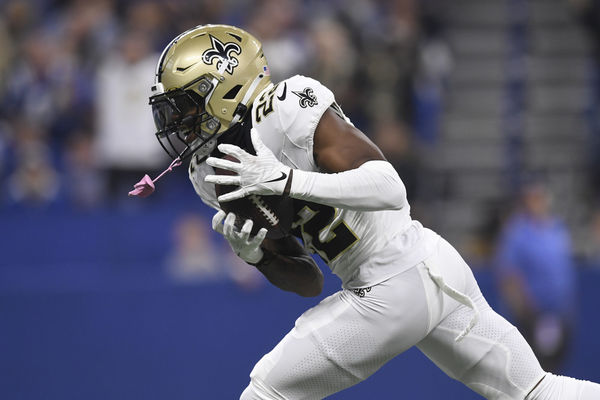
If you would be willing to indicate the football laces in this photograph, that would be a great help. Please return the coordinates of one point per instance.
(264, 209)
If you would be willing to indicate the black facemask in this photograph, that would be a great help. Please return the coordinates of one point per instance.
(182, 125)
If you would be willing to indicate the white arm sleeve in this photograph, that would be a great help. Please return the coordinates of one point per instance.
(375, 185)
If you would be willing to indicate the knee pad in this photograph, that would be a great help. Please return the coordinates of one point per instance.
(509, 369)
(494, 359)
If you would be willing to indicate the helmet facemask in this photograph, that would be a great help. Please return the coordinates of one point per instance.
(183, 126)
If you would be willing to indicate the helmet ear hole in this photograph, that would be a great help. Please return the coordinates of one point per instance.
(230, 95)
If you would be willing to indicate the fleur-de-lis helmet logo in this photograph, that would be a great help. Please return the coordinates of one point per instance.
(223, 52)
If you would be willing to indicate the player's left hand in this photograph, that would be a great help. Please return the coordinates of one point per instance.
(261, 174)
(244, 245)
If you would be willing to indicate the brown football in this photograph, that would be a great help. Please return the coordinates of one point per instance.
(272, 212)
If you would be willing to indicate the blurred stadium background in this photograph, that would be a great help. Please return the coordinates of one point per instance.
(107, 297)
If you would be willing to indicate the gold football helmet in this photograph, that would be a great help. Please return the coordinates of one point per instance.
(206, 79)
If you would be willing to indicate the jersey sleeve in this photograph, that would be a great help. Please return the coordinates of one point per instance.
(298, 105)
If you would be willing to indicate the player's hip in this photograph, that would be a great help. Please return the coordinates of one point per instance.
(373, 262)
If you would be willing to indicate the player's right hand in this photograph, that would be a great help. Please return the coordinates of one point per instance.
(245, 246)
(261, 174)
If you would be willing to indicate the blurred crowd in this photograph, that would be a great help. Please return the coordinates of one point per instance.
(75, 127)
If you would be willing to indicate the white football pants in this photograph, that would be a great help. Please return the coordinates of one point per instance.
(554, 387)
(351, 334)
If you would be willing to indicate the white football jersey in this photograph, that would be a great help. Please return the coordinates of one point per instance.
(363, 248)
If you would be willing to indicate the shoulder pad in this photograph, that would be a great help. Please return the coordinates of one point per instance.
(286, 116)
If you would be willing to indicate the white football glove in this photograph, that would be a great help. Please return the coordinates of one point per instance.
(262, 174)
(246, 247)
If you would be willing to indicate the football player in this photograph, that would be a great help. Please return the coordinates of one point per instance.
(402, 284)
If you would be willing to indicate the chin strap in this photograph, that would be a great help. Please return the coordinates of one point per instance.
(247, 96)
(145, 187)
